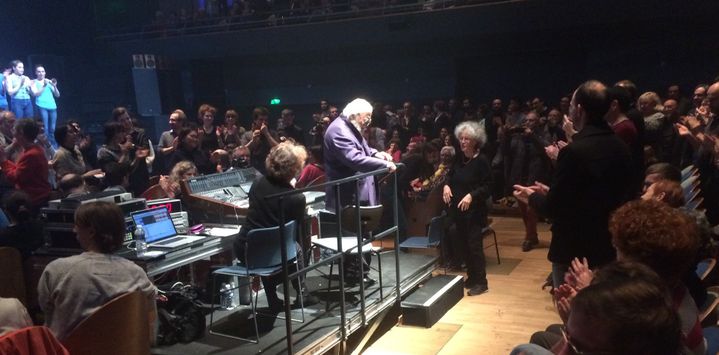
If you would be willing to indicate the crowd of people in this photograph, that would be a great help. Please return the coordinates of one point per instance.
(603, 166)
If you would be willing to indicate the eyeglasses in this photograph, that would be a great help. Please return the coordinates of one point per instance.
(576, 350)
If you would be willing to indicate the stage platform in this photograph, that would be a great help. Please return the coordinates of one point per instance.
(321, 330)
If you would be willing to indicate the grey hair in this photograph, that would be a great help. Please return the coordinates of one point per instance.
(448, 148)
(473, 131)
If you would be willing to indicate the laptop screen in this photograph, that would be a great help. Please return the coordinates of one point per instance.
(156, 222)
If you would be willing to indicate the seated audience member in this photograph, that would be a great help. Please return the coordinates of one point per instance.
(667, 191)
(626, 309)
(189, 149)
(72, 185)
(395, 150)
(667, 241)
(282, 164)
(181, 171)
(24, 232)
(116, 177)
(241, 158)
(30, 172)
(70, 289)
(446, 158)
(314, 170)
(419, 165)
(68, 158)
(221, 160)
(660, 171)
(13, 316)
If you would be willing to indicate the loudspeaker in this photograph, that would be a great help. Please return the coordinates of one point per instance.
(147, 92)
(138, 61)
(150, 62)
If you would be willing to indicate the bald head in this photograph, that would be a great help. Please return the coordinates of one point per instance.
(713, 96)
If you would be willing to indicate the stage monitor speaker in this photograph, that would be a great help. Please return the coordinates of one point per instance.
(427, 304)
(147, 92)
(150, 62)
(138, 61)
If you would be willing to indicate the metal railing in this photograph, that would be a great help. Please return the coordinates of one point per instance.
(339, 255)
(283, 17)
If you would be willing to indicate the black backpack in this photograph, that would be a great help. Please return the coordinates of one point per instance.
(180, 314)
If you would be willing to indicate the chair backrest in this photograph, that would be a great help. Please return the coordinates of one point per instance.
(263, 246)
(119, 327)
(369, 215)
(689, 184)
(154, 192)
(436, 228)
(12, 277)
(688, 171)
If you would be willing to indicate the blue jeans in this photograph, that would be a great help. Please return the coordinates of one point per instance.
(49, 119)
(22, 108)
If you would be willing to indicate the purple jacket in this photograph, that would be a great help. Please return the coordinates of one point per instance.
(346, 152)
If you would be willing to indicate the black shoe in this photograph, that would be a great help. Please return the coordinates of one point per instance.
(277, 306)
(529, 244)
(307, 300)
(368, 281)
(477, 290)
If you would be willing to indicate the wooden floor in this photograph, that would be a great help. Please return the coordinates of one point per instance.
(492, 323)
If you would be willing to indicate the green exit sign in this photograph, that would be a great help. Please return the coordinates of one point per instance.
(275, 101)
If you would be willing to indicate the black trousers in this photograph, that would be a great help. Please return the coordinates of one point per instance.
(470, 239)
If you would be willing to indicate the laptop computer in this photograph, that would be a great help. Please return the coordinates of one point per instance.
(160, 232)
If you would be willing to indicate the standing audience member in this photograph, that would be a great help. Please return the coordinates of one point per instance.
(650, 106)
(260, 139)
(168, 139)
(30, 172)
(291, 128)
(591, 180)
(466, 191)
(232, 131)
(71, 289)
(18, 88)
(529, 165)
(188, 148)
(3, 89)
(68, 158)
(86, 145)
(208, 132)
(45, 91)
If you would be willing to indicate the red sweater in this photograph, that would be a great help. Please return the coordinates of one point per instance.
(29, 174)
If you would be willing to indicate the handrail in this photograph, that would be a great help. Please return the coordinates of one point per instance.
(334, 182)
(278, 18)
(339, 255)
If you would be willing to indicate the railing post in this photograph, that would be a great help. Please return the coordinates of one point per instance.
(396, 238)
(360, 247)
(286, 280)
(343, 310)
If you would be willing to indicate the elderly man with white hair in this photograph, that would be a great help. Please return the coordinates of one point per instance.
(346, 153)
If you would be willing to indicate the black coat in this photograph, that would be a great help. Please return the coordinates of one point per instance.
(591, 180)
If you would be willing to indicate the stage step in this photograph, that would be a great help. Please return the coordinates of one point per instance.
(427, 304)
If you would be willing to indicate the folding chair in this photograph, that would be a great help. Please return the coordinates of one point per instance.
(262, 258)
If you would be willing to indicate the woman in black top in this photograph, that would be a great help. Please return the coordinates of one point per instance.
(466, 192)
(283, 163)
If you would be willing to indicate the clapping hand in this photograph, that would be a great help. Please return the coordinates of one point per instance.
(563, 296)
(579, 275)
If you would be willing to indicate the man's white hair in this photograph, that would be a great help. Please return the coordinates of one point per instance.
(357, 106)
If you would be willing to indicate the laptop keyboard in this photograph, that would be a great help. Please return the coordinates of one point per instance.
(169, 241)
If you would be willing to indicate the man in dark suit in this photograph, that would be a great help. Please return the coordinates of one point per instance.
(592, 179)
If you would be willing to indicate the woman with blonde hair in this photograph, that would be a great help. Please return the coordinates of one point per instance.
(655, 123)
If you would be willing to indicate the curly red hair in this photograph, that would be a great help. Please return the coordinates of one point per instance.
(651, 232)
